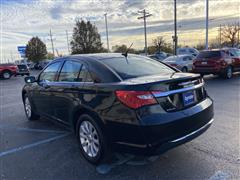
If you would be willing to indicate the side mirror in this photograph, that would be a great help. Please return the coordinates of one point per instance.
(30, 79)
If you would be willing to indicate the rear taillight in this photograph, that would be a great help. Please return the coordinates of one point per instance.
(136, 99)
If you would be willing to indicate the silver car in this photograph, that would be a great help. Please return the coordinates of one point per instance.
(181, 62)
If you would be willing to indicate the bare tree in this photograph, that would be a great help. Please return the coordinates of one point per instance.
(159, 43)
(230, 34)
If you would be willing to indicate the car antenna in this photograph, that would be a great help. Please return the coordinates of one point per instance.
(126, 53)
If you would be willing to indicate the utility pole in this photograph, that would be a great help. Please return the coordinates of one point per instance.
(145, 15)
(67, 42)
(175, 38)
(220, 35)
(238, 35)
(105, 15)
(52, 43)
(206, 46)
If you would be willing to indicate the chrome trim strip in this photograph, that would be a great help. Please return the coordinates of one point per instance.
(167, 93)
(133, 145)
(192, 133)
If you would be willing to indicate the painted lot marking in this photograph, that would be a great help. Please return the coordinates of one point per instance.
(11, 151)
(220, 175)
(35, 130)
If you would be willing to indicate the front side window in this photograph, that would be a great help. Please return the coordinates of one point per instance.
(70, 72)
(50, 73)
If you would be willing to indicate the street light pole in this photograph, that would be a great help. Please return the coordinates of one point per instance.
(175, 38)
(105, 15)
(206, 47)
(145, 15)
(67, 42)
(52, 43)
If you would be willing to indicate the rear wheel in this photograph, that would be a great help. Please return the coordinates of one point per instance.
(184, 69)
(31, 115)
(93, 143)
(6, 74)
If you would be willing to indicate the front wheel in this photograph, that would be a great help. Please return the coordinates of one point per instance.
(184, 69)
(93, 142)
(6, 75)
(228, 73)
(31, 115)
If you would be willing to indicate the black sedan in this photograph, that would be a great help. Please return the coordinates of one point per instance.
(114, 100)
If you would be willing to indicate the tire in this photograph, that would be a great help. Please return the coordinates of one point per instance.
(228, 73)
(31, 115)
(6, 74)
(93, 143)
(184, 69)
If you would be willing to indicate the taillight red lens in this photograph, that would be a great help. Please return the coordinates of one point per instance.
(136, 99)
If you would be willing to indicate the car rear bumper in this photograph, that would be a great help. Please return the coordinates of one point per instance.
(165, 130)
(208, 70)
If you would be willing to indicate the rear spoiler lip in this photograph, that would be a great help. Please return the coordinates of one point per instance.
(168, 93)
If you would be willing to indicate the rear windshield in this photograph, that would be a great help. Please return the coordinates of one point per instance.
(22, 66)
(209, 54)
(136, 66)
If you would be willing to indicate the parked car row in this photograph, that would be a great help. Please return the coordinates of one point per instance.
(221, 62)
(9, 70)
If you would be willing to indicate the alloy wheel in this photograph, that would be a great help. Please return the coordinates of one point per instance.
(89, 139)
(229, 72)
(28, 108)
(6, 75)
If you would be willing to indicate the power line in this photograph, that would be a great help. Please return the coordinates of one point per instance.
(145, 15)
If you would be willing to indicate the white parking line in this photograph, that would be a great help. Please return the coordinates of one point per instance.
(219, 175)
(11, 151)
(33, 130)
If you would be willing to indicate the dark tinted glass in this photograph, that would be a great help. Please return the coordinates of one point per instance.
(85, 76)
(209, 54)
(49, 74)
(136, 66)
(22, 67)
(70, 71)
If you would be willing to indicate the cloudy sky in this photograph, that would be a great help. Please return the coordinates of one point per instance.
(22, 19)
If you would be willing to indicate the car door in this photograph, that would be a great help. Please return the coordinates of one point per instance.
(42, 95)
(65, 90)
(73, 89)
(189, 61)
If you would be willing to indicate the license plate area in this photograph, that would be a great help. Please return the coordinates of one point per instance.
(188, 98)
(204, 63)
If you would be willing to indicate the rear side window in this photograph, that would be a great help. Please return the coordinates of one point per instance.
(136, 66)
(22, 66)
(49, 74)
(85, 75)
(209, 54)
(70, 72)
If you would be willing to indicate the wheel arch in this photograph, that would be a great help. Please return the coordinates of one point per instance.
(83, 110)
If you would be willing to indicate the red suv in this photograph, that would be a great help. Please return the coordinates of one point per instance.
(220, 61)
(7, 70)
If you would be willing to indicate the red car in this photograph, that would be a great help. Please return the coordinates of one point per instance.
(7, 70)
(220, 61)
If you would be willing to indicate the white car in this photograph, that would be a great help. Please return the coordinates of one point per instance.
(181, 62)
(187, 51)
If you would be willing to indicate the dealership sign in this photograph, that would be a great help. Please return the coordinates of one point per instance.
(22, 50)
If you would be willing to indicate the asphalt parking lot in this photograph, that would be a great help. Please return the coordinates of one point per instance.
(44, 150)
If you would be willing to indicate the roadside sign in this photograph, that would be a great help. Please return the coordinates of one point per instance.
(22, 51)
